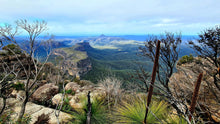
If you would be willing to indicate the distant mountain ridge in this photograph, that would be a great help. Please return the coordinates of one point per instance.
(75, 59)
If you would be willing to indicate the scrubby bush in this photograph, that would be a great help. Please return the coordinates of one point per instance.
(18, 86)
(6, 118)
(113, 87)
(69, 92)
(12, 49)
(185, 59)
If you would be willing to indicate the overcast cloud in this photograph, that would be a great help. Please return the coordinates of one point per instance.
(115, 17)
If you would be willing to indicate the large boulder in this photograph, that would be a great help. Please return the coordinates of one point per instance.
(58, 98)
(34, 111)
(18, 94)
(72, 86)
(45, 92)
(98, 94)
(77, 101)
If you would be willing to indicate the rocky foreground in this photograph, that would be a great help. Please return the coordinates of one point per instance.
(49, 93)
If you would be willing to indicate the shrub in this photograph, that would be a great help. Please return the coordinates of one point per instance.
(112, 86)
(66, 107)
(18, 86)
(185, 59)
(6, 117)
(26, 119)
(69, 92)
(12, 47)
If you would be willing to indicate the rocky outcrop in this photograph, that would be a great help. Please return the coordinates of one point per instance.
(35, 110)
(45, 92)
(182, 85)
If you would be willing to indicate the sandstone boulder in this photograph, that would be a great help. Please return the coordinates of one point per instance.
(35, 111)
(18, 94)
(58, 98)
(45, 92)
(78, 100)
(72, 86)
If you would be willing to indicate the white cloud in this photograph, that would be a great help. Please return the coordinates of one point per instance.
(114, 16)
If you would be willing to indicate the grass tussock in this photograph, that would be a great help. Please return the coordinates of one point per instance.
(134, 112)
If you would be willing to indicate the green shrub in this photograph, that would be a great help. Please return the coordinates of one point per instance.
(18, 86)
(66, 107)
(26, 119)
(69, 92)
(12, 47)
(185, 59)
(134, 112)
(6, 117)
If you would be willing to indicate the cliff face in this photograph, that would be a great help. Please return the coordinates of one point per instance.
(74, 60)
(182, 84)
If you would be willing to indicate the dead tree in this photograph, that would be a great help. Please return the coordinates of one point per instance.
(207, 46)
(153, 77)
(33, 68)
(169, 53)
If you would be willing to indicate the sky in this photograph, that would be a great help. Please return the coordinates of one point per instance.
(115, 17)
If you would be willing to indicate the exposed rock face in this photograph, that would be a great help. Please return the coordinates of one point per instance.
(45, 92)
(75, 59)
(182, 84)
(84, 66)
(35, 110)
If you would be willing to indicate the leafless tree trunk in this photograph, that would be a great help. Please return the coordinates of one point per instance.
(33, 30)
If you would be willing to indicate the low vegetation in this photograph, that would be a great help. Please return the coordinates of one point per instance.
(185, 59)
